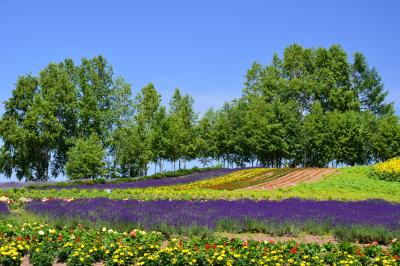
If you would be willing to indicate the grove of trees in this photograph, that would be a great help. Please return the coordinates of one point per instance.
(312, 107)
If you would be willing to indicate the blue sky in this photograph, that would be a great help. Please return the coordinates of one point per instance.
(203, 47)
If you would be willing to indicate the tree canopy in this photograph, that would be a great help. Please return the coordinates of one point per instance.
(310, 107)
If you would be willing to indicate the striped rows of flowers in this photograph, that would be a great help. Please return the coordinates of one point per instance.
(240, 179)
(388, 170)
(43, 245)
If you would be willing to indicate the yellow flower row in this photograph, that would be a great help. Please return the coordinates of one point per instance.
(219, 182)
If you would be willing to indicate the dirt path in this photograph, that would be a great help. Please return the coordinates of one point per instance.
(302, 238)
(294, 178)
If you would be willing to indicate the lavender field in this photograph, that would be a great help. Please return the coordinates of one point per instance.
(207, 213)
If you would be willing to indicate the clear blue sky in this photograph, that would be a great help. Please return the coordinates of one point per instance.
(203, 47)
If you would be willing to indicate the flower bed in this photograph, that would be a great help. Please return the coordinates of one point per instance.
(240, 179)
(388, 170)
(43, 245)
(149, 214)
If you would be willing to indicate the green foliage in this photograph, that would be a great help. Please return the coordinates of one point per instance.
(86, 159)
(388, 170)
(312, 107)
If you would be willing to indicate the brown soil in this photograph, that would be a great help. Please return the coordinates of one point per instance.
(294, 178)
(304, 238)
(301, 238)
(25, 262)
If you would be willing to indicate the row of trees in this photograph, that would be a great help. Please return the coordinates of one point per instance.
(311, 108)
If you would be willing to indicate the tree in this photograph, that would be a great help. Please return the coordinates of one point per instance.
(95, 80)
(386, 137)
(351, 137)
(368, 85)
(86, 159)
(315, 139)
(158, 137)
(206, 142)
(181, 135)
(15, 153)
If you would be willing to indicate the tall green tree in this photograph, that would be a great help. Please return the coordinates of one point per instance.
(86, 159)
(182, 124)
(368, 85)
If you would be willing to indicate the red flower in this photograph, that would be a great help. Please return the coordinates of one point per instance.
(208, 246)
(19, 238)
(60, 237)
(245, 244)
(293, 250)
(374, 243)
(271, 241)
(214, 246)
(78, 239)
(133, 234)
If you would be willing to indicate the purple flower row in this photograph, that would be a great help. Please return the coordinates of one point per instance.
(4, 208)
(207, 213)
(166, 181)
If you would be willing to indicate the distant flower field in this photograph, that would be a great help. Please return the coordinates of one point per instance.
(170, 181)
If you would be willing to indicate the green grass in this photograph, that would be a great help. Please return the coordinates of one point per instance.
(352, 183)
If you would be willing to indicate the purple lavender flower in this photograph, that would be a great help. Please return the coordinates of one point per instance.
(208, 213)
(167, 181)
(4, 209)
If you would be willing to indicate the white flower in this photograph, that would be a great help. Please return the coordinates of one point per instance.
(22, 199)
(104, 229)
(41, 233)
(110, 231)
(4, 199)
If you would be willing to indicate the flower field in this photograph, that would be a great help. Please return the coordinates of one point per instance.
(240, 179)
(43, 245)
(388, 170)
(153, 182)
(194, 209)
(152, 214)
(261, 178)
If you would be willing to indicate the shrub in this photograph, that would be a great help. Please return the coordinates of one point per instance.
(388, 170)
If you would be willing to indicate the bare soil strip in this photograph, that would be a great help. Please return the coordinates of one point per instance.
(294, 178)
